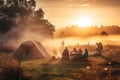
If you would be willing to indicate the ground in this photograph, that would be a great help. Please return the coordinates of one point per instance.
(92, 68)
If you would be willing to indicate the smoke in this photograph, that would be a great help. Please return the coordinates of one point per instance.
(21, 17)
(22, 28)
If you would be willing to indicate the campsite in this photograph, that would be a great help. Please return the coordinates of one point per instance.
(39, 65)
(59, 40)
(94, 68)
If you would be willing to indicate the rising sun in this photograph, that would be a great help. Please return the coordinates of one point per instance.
(84, 22)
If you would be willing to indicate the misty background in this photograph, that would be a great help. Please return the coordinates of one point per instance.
(24, 20)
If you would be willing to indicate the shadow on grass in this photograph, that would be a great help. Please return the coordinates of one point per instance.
(67, 70)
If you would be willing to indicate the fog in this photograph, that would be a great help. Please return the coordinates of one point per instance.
(71, 41)
(55, 46)
(27, 25)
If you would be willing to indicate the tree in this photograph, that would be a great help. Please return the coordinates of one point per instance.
(21, 13)
(103, 33)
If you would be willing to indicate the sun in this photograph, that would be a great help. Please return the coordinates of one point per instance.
(84, 22)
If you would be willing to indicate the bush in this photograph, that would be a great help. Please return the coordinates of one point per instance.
(12, 71)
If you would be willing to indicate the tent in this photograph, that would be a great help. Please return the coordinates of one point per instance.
(31, 50)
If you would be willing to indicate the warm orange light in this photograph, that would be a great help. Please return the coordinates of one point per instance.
(84, 22)
(88, 67)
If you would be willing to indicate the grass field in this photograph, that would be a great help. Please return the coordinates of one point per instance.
(46, 69)
(56, 70)
(91, 69)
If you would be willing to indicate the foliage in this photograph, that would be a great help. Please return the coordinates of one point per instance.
(11, 70)
(103, 33)
(77, 31)
(20, 14)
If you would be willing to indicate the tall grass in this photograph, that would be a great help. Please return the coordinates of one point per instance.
(11, 70)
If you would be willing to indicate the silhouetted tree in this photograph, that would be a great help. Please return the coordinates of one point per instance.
(17, 13)
(103, 33)
(39, 13)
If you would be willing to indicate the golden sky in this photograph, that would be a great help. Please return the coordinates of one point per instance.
(66, 12)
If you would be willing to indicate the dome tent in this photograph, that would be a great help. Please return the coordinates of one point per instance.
(31, 50)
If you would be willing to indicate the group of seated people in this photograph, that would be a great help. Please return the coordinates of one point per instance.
(74, 54)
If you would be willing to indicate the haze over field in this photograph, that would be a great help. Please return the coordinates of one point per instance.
(37, 27)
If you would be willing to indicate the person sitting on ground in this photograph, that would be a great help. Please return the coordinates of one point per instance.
(86, 53)
(80, 52)
(75, 51)
(65, 54)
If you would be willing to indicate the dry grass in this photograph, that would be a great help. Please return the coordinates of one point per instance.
(70, 70)
(10, 69)
(46, 69)
(58, 70)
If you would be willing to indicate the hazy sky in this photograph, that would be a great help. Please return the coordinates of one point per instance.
(67, 12)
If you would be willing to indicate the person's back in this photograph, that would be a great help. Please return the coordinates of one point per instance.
(80, 51)
(65, 54)
(75, 51)
(86, 53)
(101, 46)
